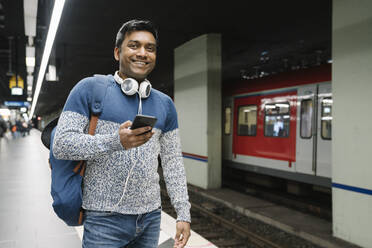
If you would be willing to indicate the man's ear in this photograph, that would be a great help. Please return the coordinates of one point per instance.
(116, 53)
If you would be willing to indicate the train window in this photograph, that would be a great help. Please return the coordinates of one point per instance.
(247, 120)
(306, 118)
(277, 119)
(227, 120)
(326, 119)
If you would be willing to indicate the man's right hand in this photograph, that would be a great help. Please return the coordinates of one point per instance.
(133, 138)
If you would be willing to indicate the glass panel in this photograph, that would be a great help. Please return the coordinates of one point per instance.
(247, 120)
(277, 120)
(306, 118)
(326, 118)
(227, 120)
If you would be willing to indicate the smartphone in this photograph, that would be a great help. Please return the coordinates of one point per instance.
(143, 121)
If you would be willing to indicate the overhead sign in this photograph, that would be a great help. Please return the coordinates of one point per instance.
(17, 91)
(13, 82)
(16, 104)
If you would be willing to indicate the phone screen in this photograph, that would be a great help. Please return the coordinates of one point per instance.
(143, 121)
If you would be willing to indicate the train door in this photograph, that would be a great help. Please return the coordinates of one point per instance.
(227, 125)
(305, 138)
(324, 134)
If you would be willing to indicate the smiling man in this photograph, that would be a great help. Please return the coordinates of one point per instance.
(121, 192)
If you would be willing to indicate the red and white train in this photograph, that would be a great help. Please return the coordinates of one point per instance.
(281, 125)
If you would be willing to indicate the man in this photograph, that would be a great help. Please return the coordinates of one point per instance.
(121, 192)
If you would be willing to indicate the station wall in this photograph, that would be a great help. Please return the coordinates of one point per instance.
(352, 121)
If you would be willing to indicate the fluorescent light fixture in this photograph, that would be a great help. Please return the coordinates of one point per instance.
(30, 61)
(54, 21)
(52, 73)
(30, 13)
(29, 99)
(30, 56)
(30, 69)
(30, 81)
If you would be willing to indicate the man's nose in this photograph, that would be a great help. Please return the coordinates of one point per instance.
(142, 52)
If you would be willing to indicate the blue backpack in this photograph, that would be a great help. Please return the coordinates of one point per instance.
(67, 175)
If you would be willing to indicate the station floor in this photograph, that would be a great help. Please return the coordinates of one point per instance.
(26, 214)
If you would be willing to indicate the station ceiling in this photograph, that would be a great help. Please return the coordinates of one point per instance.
(258, 38)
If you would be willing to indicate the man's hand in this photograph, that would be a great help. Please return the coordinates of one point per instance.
(182, 234)
(133, 138)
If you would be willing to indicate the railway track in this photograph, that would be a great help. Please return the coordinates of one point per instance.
(220, 231)
(309, 201)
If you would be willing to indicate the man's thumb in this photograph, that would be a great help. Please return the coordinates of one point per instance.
(126, 124)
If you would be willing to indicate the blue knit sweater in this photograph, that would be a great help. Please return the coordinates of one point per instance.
(108, 163)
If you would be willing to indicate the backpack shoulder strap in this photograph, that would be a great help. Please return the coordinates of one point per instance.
(100, 88)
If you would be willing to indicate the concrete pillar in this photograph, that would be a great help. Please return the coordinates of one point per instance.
(352, 121)
(197, 95)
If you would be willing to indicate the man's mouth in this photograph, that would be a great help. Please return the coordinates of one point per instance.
(140, 63)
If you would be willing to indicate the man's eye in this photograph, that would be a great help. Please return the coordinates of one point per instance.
(132, 45)
(151, 49)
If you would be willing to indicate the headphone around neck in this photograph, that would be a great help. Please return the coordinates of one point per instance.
(130, 86)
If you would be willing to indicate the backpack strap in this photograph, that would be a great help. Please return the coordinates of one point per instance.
(99, 92)
(93, 124)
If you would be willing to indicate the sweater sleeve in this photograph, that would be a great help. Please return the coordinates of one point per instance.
(173, 168)
(71, 141)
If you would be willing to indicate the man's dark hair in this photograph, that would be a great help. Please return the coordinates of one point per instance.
(135, 25)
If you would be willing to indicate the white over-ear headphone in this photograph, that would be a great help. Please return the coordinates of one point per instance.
(130, 86)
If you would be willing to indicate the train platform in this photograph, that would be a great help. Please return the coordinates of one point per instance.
(26, 215)
(314, 229)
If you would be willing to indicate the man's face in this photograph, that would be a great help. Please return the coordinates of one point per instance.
(137, 55)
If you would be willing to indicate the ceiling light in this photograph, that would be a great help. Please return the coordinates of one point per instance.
(30, 61)
(51, 74)
(30, 17)
(30, 69)
(30, 80)
(30, 56)
(56, 17)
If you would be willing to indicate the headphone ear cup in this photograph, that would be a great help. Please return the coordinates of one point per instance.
(129, 86)
(145, 89)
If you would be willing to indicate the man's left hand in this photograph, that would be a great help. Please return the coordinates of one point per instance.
(182, 234)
